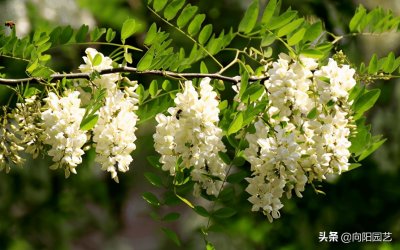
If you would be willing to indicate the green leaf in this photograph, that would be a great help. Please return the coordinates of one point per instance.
(151, 34)
(32, 66)
(187, 202)
(290, 27)
(387, 67)
(268, 39)
(366, 101)
(281, 20)
(373, 65)
(154, 179)
(203, 68)
(159, 4)
(110, 35)
(166, 85)
(151, 199)
(312, 114)
(313, 53)
(171, 217)
(269, 11)
(357, 18)
(354, 166)
(171, 235)
(97, 60)
(223, 105)
(224, 157)
(30, 91)
(82, 33)
(146, 60)
(371, 149)
(154, 161)
(173, 8)
(210, 246)
(187, 13)
(128, 29)
(224, 213)
(236, 125)
(201, 211)
(153, 89)
(66, 35)
(360, 140)
(236, 177)
(42, 40)
(314, 31)
(97, 33)
(128, 57)
(89, 122)
(195, 25)
(249, 20)
(205, 33)
(297, 37)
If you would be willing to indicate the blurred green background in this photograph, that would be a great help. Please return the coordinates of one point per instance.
(40, 209)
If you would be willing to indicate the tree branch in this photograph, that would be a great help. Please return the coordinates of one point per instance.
(169, 74)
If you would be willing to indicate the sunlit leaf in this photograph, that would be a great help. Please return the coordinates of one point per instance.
(159, 4)
(187, 13)
(195, 25)
(205, 33)
(128, 29)
(173, 8)
(269, 11)
(249, 20)
(236, 124)
(89, 122)
(290, 27)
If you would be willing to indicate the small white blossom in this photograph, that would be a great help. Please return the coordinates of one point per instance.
(190, 132)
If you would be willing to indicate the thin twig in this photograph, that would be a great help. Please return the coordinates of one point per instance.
(132, 70)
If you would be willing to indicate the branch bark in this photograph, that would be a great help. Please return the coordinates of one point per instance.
(132, 70)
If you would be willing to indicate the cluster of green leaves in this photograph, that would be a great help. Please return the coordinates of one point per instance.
(375, 21)
(36, 49)
(380, 68)
(155, 99)
(296, 33)
(187, 21)
(363, 143)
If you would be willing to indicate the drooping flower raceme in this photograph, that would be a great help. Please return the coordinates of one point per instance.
(190, 134)
(27, 116)
(61, 123)
(114, 133)
(306, 135)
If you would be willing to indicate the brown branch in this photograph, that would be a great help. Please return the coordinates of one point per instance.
(169, 74)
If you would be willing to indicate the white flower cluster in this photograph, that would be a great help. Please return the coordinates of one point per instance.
(306, 135)
(190, 133)
(9, 145)
(114, 133)
(27, 116)
(20, 132)
(61, 123)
